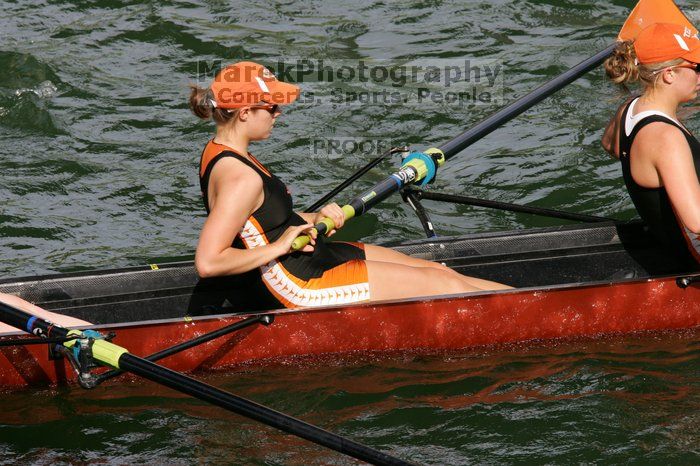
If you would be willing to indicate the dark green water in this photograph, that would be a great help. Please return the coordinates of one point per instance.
(98, 161)
(632, 401)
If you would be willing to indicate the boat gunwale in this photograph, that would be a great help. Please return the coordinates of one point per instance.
(434, 241)
(383, 303)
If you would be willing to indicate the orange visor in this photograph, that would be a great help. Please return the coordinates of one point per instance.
(246, 83)
(662, 42)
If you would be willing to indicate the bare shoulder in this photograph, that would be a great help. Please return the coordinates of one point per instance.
(231, 171)
(235, 189)
(659, 138)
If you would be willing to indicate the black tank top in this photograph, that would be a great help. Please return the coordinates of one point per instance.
(273, 217)
(653, 204)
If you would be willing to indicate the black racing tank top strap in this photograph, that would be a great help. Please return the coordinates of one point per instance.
(246, 161)
(623, 139)
(626, 141)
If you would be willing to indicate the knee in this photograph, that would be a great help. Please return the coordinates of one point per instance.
(446, 280)
(438, 266)
(458, 285)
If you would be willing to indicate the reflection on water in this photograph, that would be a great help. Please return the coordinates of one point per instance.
(630, 400)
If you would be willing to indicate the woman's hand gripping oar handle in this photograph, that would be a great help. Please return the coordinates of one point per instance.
(323, 227)
(416, 167)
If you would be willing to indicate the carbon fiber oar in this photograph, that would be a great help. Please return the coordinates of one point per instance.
(119, 358)
(491, 123)
(645, 13)
(404, 176)
(418, 166)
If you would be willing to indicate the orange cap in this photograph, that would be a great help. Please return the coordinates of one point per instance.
(662, 42)
(246, 83)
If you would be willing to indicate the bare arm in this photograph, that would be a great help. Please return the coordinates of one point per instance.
(674, 162)
(238, 192)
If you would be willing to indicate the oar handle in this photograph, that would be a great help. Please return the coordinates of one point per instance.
(303, 240)
(323, 227)
(417, 166)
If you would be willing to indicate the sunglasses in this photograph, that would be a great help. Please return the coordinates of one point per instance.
(271, 108)
(693, 66)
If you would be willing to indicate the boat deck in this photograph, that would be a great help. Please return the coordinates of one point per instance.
(539, 257)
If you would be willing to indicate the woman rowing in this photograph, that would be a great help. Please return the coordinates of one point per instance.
(251, 225)
(19, 303)
(660, 157)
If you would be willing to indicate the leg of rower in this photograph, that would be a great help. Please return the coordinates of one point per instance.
(396, 281)
(381, 254)
(19, 303)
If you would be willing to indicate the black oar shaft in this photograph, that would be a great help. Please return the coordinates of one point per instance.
(331, 194)
(377, 194)
(461, 142)
(19, 319)
(491, 123)
(182, 383)
(507, 206)
(236, 404)
(180, 347)
(409, 172)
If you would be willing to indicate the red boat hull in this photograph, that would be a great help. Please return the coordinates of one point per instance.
(446, 323)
